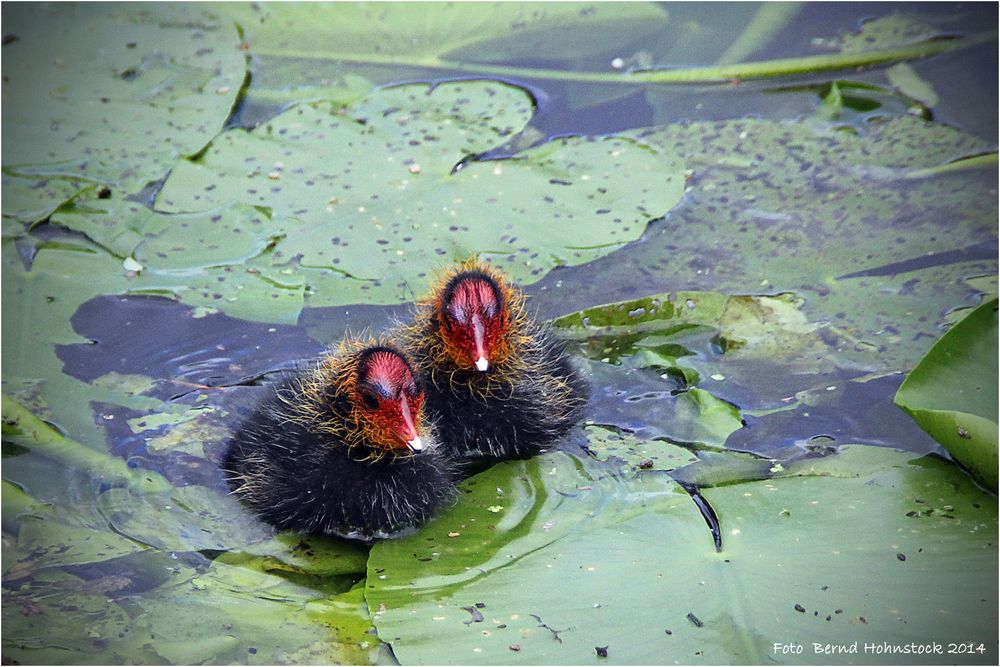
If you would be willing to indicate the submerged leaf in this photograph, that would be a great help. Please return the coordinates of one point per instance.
(23, 428)
(485, 32)
(603, 443)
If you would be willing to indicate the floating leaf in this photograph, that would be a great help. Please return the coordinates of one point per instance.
(373, 230)
(112, 94)
(558, 578)
(952, 392)
(829, 216)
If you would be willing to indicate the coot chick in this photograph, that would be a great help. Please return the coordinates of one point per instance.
(342, 447)
(499, 384)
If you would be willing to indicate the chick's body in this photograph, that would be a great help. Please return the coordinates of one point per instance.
(339, 447)
(499, 384)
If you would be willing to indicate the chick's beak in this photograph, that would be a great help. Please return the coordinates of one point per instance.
(413, 441)
(479, 335)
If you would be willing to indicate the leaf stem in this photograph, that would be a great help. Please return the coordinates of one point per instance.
(709, 74)
(23, 428)
(985, 160)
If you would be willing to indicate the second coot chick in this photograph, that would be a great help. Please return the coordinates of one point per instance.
(499, 384)
(341, 447)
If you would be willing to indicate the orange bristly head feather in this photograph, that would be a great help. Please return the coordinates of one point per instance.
(475, 307)
(384, 401)
(387, 400)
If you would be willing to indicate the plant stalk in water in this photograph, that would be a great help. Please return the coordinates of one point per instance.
(23, 428)
(711, 74)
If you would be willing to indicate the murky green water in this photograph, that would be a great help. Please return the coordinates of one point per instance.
(802, 227)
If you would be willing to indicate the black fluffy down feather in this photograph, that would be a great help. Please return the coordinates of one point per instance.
(297, 477)
(512, 410)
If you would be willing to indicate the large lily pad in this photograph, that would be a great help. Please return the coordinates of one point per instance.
(832, 216)
(372, 229)
(110, 94)
(952, 393)
(541, 562)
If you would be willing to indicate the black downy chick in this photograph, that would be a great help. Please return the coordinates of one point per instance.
(342, 447)
(499, 384)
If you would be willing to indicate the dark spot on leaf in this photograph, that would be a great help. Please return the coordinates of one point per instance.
(129, 73)
(476, 616)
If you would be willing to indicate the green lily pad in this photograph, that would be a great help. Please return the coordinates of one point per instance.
(373, 230)
(550, 577)
(44, 535)
(111, 94)
(58, 618)
(952, 392)
(833, 217)
(29, 200)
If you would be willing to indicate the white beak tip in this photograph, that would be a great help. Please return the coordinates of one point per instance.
(482, 364)
(416, 444)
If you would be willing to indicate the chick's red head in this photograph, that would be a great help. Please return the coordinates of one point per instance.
(474, 320)
(388, 400)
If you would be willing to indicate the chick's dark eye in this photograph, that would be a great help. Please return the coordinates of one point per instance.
(369, 400)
